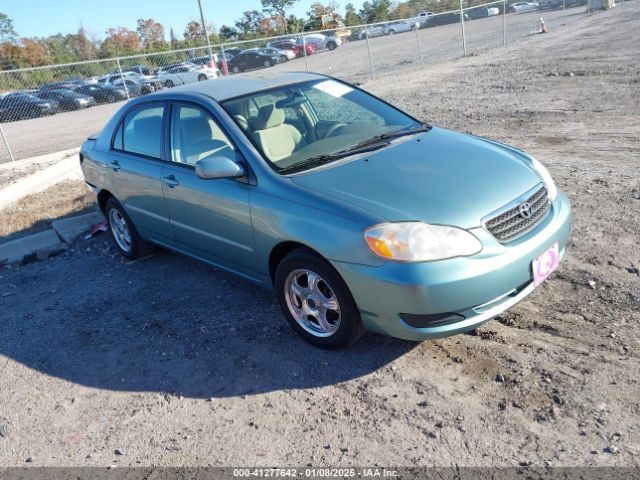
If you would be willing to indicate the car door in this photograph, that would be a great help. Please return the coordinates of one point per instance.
(135, 165)
(211, 218)
(176, 75)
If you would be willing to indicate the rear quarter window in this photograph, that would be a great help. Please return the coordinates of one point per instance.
(141, 132)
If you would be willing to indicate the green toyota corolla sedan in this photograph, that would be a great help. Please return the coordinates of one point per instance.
(359, 216)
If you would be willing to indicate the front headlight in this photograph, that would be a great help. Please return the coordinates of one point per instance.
(546, 178)
(420, 242)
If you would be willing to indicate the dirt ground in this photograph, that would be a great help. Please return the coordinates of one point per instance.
(35, 212)
(169, 362)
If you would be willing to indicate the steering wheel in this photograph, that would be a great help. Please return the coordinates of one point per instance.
(334, 128)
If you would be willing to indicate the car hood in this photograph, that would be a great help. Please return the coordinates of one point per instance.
(439, 177)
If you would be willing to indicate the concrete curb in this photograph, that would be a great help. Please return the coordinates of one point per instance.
(40, 159)
(68, 229)
(68, 168)
(38, 244)
(63, 233)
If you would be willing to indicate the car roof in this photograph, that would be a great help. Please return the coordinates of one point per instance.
(224, 88)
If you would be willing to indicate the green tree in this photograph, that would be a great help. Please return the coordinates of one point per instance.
(7, 32)
(375, 11)
(227, 32)
(294, 24)
(250, 22)
(277, 9)
(350, 15)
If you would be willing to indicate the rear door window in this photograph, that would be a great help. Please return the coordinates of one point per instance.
(142, 131)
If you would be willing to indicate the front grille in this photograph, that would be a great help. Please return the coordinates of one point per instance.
(511, 224)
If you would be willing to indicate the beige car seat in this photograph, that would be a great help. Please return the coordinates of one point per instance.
(197, 140)
(277, 139)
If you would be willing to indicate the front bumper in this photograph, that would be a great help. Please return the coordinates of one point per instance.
(477, 288)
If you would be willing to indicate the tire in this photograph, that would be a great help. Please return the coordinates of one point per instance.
(332, 45)
(202, 77)
(236, 69)
(346, 326)
(267, 64)
(391, 32)
(137, 248)
(169, 84)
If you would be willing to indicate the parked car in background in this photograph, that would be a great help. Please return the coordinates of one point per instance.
(424, 18)
(319, 41)
(233, 51)
(130, 86)
(169, 66)
(252, 59)
(65, 84)
(148, 84)
(144, 70)
(401, 26)
(356, 214)
(522, 7)
(291, 45)
(20, 106)
(187, 73)
(480, 12)
(102, 93)
(67, 99)
(370, 31)
(285, 55)
(443, 19)
(205, 61)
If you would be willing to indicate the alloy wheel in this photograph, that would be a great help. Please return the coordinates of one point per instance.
(120, 230)
(312, 302)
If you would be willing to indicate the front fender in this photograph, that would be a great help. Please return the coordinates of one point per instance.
(332, 229)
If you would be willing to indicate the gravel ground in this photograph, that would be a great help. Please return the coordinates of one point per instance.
(169, 362)
(389, 54)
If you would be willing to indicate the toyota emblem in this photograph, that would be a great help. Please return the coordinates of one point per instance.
(525, 210)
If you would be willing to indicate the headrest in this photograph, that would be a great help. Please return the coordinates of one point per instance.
(268, 117)
(196, 130)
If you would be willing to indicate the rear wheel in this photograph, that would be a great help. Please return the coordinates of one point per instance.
(169, 84)
(124, 233)
(236, 69)
(332, 45)
(316, 301)
(267, 63)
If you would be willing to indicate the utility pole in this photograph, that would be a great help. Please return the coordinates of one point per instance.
(206, 34)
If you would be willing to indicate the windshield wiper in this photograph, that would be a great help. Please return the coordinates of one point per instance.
(327, 158)
(374, 143)
(390, 135)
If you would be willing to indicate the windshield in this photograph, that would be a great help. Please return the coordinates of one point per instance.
(295, 125)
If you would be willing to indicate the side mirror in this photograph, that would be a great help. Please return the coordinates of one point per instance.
(218, 166)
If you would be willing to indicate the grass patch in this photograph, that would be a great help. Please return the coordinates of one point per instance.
(34, 213)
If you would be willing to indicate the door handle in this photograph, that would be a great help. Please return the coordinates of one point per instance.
(115, 165)
(171, 181)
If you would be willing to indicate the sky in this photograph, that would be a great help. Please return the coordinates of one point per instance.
(41, 18)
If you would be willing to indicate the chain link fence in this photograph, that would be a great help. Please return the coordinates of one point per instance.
(52, 108)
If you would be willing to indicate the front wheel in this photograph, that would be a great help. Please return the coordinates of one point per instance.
(332, 45)
(168, 84)
(267, 63)
(124, 233)
(202, 77)
(316, 301)
(236, 69)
